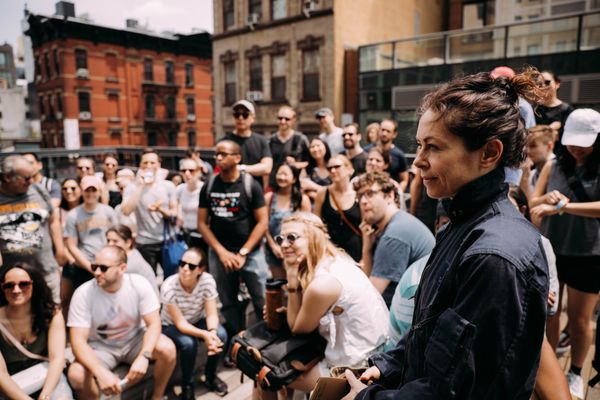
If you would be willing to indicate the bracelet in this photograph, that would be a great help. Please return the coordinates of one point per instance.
(560, 205)
(297, 289)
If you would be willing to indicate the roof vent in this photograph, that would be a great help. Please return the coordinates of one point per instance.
(65, 8)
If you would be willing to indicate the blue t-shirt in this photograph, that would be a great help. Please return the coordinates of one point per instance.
(405, 239)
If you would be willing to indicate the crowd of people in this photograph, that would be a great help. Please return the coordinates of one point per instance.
(454, 293)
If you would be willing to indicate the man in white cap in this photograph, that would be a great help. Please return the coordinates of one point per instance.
(330, 134)
(256, 154)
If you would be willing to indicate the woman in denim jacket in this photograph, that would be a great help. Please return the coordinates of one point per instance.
(480, 309)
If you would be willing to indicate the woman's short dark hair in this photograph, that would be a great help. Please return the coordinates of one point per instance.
(479, 108)
(122, 231)
(296, 190)
(384, 153)
(43, 306)
(312, 163)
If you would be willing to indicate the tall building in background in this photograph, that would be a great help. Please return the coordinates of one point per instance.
(302, 53)
(97, 85)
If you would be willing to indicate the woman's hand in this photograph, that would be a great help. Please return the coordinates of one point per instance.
(371, 374)
(554, 197)
(355, 385)
(276, 249)
(213, 343)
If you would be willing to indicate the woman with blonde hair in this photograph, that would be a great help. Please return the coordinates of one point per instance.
(328, 292)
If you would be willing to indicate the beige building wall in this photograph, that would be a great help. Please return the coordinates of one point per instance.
(336, 25)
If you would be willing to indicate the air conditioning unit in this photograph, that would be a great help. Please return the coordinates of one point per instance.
(254, 95)
(38, 78)
(191, 117)
(309, 6)
(82, 73)
(59, 115)
(85, 115)
(252, 19)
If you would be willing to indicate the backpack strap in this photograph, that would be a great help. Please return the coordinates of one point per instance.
(19, 346)
(44, 195)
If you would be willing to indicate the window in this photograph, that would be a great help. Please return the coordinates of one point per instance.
(190, 106)
(148, 73)
(191, 138)
(41, 105)
(169, 72)
(228, 14)
(172, 139)
(278, 73)
(230, 83)
(111, 63)
(189, 75)
(84, 101)
(151, 138)
(477, 13)
(255, 7)
(310, 74)
(80, 59)
(170, 107)
(87, 139)
(51, 113)
(38, 66)
(113, 106)
(2, 59)
(150, 106)
(278, 10)
(59, 103)
(47, 66)
(56, 62)
(256, 73)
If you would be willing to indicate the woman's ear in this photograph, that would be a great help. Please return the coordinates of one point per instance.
(492, 153)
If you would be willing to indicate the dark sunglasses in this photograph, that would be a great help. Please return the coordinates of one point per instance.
(547, 82)
(191, 266)
(244, 114)
(347, 134)
(84, 168)
(286, 118)
(23, 285)
(332, 167)
(69, 189)
(290, 237)
(103, 268)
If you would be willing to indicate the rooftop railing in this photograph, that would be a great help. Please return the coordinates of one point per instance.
(579, 32)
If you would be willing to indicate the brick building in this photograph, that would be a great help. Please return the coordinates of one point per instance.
(299, 52)
(101, 86)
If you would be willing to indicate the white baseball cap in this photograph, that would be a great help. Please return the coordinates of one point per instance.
(244, 103)
(582, 128)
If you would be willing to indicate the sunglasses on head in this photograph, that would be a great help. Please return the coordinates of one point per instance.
(23, 285)
(243, 114)
(191, 266)
(103, 268)
(290, 237)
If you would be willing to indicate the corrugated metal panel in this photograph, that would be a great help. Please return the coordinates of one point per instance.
(408, 97)
(589, 90)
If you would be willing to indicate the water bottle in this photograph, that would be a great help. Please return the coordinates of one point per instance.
(274, 300)
(122, 384)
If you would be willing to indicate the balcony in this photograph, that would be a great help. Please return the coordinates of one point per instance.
(149, 87)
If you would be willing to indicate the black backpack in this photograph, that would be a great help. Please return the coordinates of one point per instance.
(274, 359)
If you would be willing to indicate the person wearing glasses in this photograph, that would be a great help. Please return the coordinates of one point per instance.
(29, 224)
(392, 239)
(110, 165)
(189, 314)
(328, 292)
(552, 110)
(233, 219)
(287, 144)
(86, 166)
(105, 322)
(354, 151)
(188, 195)
(31, 317)
(398, 168)
(255, 151)
(51, 185)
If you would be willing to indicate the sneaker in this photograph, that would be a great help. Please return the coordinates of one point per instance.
(575, 385)
(216, 385)
(564, 343)
(187, 393)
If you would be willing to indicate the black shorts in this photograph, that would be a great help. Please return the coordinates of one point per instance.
(78, 276)
(579, 272)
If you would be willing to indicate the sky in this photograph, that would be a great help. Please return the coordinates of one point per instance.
(179, 16)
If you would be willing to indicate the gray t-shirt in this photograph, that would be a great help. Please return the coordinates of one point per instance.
(150, 225)
(188, 205)
(89, 228)
(405, 239)
(136, 264)
(25, 229)
(334, 140)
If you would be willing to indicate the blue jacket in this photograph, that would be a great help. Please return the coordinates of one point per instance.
(480, 309)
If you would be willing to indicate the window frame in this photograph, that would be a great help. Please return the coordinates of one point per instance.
(81, 61)
(317, 95)
(149, 112)
(255, 83)
(148, 69)
(87, 97)
(229, 88)
(189, 74)
(228, 14)
(169, 72)
(275, 96)
(273, 18)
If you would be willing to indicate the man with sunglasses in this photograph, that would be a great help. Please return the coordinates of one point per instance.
(48, 183)
(329, 133)
(354, 152)
(287, 144)
(105, 321)
(392, 239)
(233, 224)
(29, 223)
(255, 151)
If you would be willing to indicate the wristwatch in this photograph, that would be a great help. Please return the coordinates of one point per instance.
(147, 355)
(243, 252)
(242, 167)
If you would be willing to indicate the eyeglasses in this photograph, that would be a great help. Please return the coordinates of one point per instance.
(191, 266)
(332, 167)
(184, 170)
(224, 154)
(347, 134)
(23, 285)
(285, 118)
(243, 114)
(25, 178)
(547, 82)
(103, 268)
(290, 237)
(369, 194)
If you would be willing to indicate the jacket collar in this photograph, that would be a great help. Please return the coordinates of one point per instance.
(475, 195)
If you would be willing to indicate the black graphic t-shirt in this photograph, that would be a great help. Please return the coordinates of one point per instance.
(230, 211)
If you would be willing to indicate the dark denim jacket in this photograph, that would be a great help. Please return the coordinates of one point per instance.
(480, 309)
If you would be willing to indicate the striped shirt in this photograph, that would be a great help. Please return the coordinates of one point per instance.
(190, 304)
